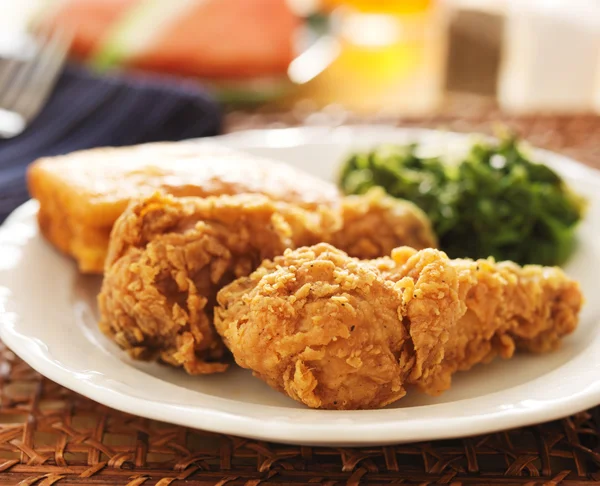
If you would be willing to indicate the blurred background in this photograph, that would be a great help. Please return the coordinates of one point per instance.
(370, 57)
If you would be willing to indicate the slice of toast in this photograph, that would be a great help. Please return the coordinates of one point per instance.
(82, 194)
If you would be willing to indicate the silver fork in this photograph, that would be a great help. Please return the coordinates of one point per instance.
(27, 79)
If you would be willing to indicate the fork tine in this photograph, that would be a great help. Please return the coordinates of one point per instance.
(8, 70)
(26, 50)
(44, 76)
(12, 89)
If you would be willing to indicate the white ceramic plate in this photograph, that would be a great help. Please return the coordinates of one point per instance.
(48, 317)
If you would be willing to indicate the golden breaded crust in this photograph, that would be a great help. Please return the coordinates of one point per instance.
(375, 223)
(503, 306)
(83, 193)
(206, 241)
(340, 333)
(319, 326)
(169, 256)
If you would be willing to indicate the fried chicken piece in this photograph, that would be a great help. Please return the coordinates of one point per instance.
(503, 307)
(169, 256)
(336, 332)
(319, 326)
(82, 194)
(375, 223)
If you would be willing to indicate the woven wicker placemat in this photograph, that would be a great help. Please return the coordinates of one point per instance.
(50, 435)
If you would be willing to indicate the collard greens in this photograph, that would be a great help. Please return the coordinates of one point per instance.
(493, 202)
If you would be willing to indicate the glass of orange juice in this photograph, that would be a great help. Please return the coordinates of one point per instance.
(381, 6)
(390, 58)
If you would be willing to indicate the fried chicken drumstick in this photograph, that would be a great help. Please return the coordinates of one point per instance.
(336, 332)
(169, 256)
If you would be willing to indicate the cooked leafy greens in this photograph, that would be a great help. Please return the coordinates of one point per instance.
(494, 202)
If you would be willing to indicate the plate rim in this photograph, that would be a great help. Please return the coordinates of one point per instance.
(391, 431)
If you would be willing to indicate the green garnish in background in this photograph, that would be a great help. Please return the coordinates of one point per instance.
(494, 202)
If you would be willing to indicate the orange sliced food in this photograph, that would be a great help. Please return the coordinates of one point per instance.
(203, 38)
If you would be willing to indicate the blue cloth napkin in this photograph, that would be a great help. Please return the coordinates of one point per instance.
(87, 110)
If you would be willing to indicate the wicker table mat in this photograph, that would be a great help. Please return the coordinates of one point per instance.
(49, 435)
